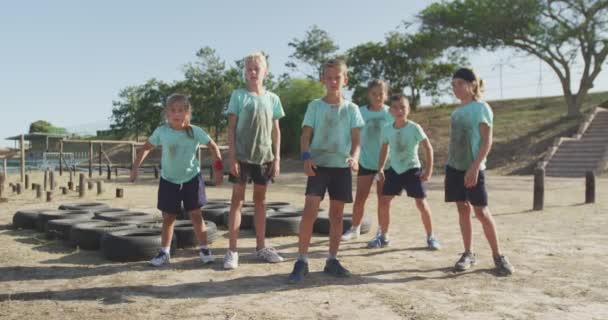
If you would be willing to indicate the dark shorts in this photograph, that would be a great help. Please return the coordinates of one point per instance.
(456, 192)
(366, 172)
(409, 180)
(249, 172)
(191, 193)
(337, 181)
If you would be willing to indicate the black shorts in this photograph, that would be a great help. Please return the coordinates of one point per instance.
(171, 195)
(337, 181)
(456, 192)
(249, 172)
(409, 180)
(366, 172)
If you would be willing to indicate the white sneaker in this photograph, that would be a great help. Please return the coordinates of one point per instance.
(206, 256)
(352, 233)
(270, 255)
(231, 260)
(161, 259)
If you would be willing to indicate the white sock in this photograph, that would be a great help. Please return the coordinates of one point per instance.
(303, 257)
(205, 247)
(332, 257)
(166, 250)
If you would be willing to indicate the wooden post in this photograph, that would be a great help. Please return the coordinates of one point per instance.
(64, 190)
(22, 158)
(132, 155)
(116, 172)
(46, 179)
(34, 187)
(49, 196)
(2, 179)
(100, 159)
(90, 159)
(589, 187)
(155, 172)
(52, 180)
(120, 193)
(109, 172)
(38, 191)
(539, 189)
(99, 187)
(81, 189)
(18, 188)
(90, 184)
(4, 167)
(61, 158)
(27, 181)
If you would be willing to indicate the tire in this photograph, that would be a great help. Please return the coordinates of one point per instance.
(123, 215)
(186, 238)
(61, 228)
(89, 206)
(87, 235)
(214, 201)
(132, 245)
(99, 211)
(279, 205)
(246, 217)
(283, 224)
(322, 223)
(45, 216)
(215, 213)
(26, 219)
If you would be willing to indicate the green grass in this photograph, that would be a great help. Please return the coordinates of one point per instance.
(523, 130)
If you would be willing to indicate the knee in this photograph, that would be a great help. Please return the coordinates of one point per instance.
(169, 218)
(259, 198)
(482, 214)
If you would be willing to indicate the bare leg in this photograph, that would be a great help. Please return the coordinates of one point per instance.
(425, 215)
(336, 214)
(200, 230)
(259, 197)
(167, 231)
(311, 210)
(464, 215)
(234, 219)
(489, 228)
(364, 185)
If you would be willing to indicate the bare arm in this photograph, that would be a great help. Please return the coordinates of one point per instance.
(383, 157)
(142, 153)
(428, 155)
(215, 151)
(470, 179)
(276, 149)
(354, 149)
(309, 165)
(234, 166)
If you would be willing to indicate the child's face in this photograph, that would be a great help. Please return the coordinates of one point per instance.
(255, 72)
(376, 96)
(463, 90)
(399, 109)
(177, 113)
(334, 78)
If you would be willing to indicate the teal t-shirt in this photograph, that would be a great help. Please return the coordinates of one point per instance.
(465, 137)
(371, 135)
(255, 115)
(332, 139)
(180, 152)
(403, 143)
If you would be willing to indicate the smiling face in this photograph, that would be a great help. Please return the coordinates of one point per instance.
(334, 78)
(255, 72)
(376, 95)
(178, 114)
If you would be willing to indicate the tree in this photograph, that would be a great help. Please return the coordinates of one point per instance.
(557, 31)
(312, 51)
(42, 126)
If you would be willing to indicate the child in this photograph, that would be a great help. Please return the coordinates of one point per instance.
(254, 139)
(470, 143)
(376, 116)
(180, 175)
(334, 152)
(402, 137)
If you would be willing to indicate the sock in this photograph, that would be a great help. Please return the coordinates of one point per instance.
(303, 257)
(332, 257)
(356, 228)
(205, 247)
(166, 250)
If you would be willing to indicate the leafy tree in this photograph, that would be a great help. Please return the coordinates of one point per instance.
(311, 52)
(559, 32)
(42, 126)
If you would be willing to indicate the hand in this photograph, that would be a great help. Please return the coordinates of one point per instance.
(309, 168)
(426, 175)
(380, 177)
(353, 164)
(275, 168)
(471, 176)
(218, 177)
(234, 168)
(133, 176)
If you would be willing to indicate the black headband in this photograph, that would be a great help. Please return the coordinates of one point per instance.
(465, 74)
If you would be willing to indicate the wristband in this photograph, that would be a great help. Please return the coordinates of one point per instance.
(219, 165)
(306, 155)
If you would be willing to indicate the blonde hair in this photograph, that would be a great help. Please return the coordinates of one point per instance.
(259, 56)
(334, 63)
(469, 75)
(378, 83)
(185, 101)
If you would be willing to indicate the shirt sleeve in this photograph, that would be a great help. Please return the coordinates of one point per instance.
(201, 136)
(384, 135)
(154, 139)
(309, 116)
(420, 135)
(277, 109)
(234, 106)
(485, 115)
(356, 120)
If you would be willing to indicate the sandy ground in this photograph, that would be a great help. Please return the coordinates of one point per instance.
(560, 254)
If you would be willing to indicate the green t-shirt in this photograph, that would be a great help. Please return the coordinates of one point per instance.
(332, 139)
(255, 115)
(179, 152)
(371, 135)
(465, 137)
(403, 143)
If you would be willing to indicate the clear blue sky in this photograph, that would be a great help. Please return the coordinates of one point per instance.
(65, 61)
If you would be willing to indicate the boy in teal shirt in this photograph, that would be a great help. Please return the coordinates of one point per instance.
(328, 160)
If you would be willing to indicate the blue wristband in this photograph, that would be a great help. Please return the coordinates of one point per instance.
(305, 155)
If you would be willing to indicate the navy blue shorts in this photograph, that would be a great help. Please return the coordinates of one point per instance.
(337, 181)
(456, 192)
(191, 193)
(365, 171)
(248, 172)
(409, 180)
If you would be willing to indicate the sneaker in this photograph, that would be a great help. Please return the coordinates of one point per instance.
(432, 243)
(269, 254)
(465, 262)
(379, 241)
(162, 258)
(206, 256)
(231, 260)
(503, 266)
(334, 268)
(352, 233)
(300, 270)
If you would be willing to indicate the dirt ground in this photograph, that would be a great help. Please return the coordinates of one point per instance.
(560, 254)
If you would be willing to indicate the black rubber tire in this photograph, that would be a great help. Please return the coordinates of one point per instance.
(278, 205)
(215, 213)
(132, 245)
(61, 228)
(26, 219)
(123, 215)
(99, 211)
(186, 238)
(87, 235)
(90, 206)
(283, 224)
(145, 223)
(322, 223)
(246, 217)
(45, 216)
(214, 201)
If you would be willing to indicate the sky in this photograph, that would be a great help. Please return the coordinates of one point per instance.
(66, 61)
